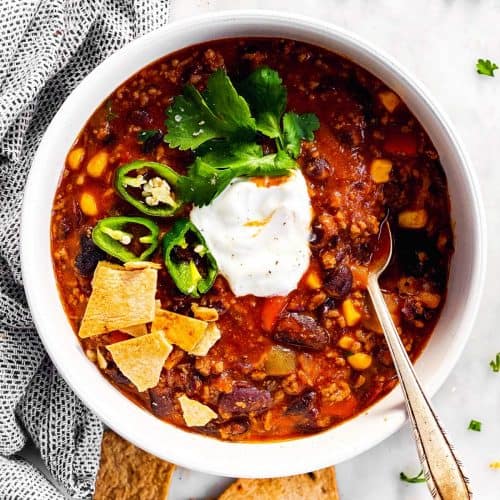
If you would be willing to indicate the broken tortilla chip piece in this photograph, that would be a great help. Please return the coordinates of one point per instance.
(195, 413)
(141, 359)
(119, 299)
(204, 313)
(211, 336)
(126, 471)
(135, 330)
(319, 485)
(178, 329)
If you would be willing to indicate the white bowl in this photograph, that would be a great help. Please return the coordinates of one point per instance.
(194, 450)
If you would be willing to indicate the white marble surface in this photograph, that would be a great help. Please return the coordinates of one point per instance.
(439, 42)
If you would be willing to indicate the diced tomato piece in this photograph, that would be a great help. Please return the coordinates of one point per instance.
(400, 143)
(342, 409)
(271, 309)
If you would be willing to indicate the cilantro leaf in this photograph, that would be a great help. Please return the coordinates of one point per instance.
(474, 425)
(486, 67)
(221, 162)
(266, 96)
(219, 112)
(297, 127)
(495, 363)
(416, 479)
(203, 183)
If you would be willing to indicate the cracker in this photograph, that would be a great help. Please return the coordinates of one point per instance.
(127, 472)
(119, 299)
(313, 486)
(180, 330)
(195, 413)
(141, 359)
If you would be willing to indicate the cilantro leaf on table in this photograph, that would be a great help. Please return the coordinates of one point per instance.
(266, 96)
(219, 112)
(297, 127)
(211, 173)
(486, 67)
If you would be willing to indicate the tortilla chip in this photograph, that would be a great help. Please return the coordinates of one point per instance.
(119, 299)
(195, 413)
(141, 264)
(135, 330)
(128, 472)
(211, 336)
(204, 313)
(313, 486)
(180, 330)
(141, 359)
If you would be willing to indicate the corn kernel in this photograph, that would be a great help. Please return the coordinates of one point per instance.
(88, 205)
(413, 219)
(351, 314)
(97, 164)
(389, 100)
(75, 158)
(345, 342)
(313, 280)
(360, 361)
(80, 180)
(380, 170)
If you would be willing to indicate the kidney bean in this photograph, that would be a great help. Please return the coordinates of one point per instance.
(244, 399)
(162, 401)
(338, 281)
(301, 331)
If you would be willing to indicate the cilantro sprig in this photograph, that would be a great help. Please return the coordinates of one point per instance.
(221, 126)
(486, 67)
(419, 478)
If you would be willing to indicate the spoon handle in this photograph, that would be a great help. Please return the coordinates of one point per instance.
(443, 472)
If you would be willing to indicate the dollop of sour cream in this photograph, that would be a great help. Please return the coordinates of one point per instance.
(259, 235)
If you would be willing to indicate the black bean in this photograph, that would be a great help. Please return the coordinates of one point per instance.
(338, 281)
(318, 169)
(86, 261)
(302, 331)
(302, 404)
(141, 118)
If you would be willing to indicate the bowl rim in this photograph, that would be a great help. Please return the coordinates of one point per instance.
(264, 459)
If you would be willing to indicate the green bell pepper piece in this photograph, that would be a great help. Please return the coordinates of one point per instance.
(184, 270)
(124, 180)
(109, 234)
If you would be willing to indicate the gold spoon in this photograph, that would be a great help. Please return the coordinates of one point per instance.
(443, 472)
